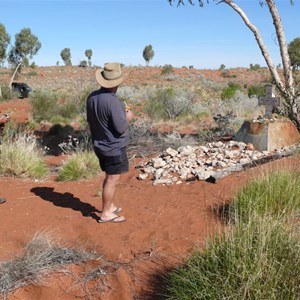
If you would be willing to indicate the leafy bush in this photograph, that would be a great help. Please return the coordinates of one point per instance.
(47, 106)
(254, 67)
(32, 73)
(154, 108)
(229, 91)
(83, 64)
(169, 103)
(226, 74)
(81, 99)
(44, 105)
(81, 165)
(256, 90)
(68, 107)
(167, 69)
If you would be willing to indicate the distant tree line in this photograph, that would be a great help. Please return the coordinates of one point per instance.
(65, 55)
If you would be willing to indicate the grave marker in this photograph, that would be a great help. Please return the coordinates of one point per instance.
(269, 101)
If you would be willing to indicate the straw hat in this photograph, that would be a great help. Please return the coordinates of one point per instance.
(110, 76)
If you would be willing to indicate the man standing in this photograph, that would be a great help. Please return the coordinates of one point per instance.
(108, 121)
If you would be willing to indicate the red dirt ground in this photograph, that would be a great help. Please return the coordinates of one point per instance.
(163, 224)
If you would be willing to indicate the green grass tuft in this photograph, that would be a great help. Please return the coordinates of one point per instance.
(277, 194)
(259, 260)
(81, 165)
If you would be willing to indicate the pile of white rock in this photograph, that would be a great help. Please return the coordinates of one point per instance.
(210, 162)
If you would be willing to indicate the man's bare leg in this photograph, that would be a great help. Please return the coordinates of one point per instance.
(105, 186)
(108, 193)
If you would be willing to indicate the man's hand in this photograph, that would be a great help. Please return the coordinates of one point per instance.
(129, 116)
(127, 107)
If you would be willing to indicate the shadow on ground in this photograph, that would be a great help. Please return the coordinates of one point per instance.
(66, 200)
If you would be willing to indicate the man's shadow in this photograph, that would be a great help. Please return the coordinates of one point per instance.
(66, 200)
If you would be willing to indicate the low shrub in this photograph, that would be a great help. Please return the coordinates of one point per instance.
(229, 91)
(44, 105)
(68, 108)
(48, 106)
(256, 90)
(32, 73)
(169, 103)
(255, 67)
(167, 69)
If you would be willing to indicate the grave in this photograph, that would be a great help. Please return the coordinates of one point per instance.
(268, 134)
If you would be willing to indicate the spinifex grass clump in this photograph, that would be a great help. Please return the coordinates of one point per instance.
(41, 257)
(277, 194)
(256, 260)
(258, 257)
(21, 157)
(81, 165)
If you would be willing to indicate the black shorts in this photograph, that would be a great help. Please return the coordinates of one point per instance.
(113, 165)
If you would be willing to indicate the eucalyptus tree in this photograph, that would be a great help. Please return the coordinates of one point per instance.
(286, 85)
(65, 55)
(26, 46)
(88, 53)
(148, 53)
(294, 52)
(4, 42)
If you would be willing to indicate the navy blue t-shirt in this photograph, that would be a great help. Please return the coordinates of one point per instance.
(107, 120)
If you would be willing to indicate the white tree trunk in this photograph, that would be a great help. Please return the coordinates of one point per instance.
(290, 95)
(15, 72)
(286, 88)
(286, 63)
